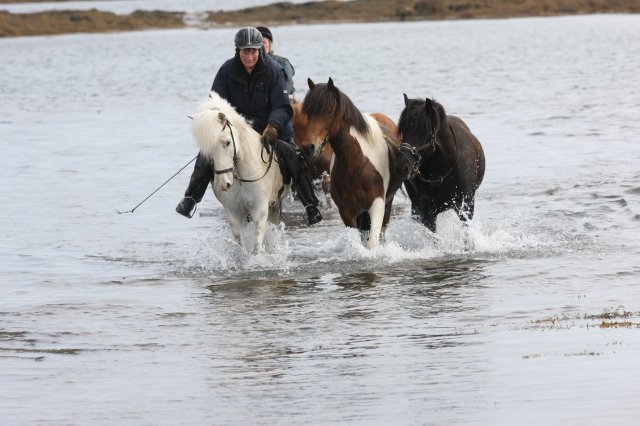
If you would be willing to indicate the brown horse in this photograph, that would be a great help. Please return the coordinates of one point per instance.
(441, 160)
(363, 182)
(319, 160)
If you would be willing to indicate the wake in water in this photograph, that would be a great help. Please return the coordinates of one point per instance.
(294, 249)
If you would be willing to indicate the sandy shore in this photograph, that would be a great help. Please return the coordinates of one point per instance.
(69, 21)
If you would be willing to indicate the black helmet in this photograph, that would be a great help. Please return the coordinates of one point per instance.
(266, 32)
(248, 38)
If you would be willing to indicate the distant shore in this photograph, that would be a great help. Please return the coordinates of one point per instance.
(284, 13)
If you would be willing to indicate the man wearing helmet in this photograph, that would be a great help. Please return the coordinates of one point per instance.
(256, 86)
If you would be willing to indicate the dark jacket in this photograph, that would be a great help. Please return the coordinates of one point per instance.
(289, 71)
(260, 96)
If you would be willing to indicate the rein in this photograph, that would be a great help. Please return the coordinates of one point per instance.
(416, 153)
(324, 142)
(234, 169)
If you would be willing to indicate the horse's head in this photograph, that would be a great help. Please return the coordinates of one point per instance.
(328, 110)
(418, 127)
(316, 114)
(216, 138)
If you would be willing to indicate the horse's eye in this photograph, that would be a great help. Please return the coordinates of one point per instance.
(227, 144)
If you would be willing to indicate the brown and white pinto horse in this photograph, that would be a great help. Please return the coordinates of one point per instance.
(363, 182)
(319, 160)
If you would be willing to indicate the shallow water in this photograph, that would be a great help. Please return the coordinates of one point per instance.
(530, 315)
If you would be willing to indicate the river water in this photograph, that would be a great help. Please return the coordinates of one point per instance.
(528, 316)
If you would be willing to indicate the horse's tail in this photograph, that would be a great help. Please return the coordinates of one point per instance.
(206, 126)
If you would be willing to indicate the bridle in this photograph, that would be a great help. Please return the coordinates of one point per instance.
(414, 154)
(325, 141)
(234, 170)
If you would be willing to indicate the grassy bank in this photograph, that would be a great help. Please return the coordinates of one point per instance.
(384, 10)
(67, 21)
(84, 21)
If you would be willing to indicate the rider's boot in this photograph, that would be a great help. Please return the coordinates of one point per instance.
(200, 178)
(308, 199)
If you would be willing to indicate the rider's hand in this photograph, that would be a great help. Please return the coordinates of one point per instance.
(270, 133)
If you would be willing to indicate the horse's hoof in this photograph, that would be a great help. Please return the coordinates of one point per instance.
(313, 215)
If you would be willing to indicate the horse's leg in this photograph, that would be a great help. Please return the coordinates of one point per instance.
(364, 221)
(236, 226)
(424, 215)
(275, 212)
(465, 208)
(260, 217)
(385, 220)
(326, 188)
(376, 212)
(421, 210)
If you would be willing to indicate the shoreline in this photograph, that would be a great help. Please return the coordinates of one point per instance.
(315, 12)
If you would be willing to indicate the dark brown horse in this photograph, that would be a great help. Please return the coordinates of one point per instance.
(441, 161)
(363, 182)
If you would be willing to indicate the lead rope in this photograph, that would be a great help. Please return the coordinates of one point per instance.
(157, 189)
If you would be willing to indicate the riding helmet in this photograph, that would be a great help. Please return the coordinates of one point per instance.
(266, 33)
(248, 38)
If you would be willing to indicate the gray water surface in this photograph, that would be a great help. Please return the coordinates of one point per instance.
(528, 316)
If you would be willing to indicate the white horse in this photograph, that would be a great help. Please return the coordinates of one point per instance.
(247, 181)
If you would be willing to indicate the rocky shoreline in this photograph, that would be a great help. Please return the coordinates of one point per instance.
(92, 21)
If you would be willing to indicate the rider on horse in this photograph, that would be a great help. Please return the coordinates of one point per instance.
(289, 71)
(255, 85)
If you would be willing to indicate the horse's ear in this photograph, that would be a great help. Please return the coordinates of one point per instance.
(441, 113)
(330, 84)
(311, 84)
(406, 100)
(431, 107)
(222, 117)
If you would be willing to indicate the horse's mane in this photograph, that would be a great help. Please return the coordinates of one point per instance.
(207, 126)
(429, 116)
(326, 99)
(218, 103)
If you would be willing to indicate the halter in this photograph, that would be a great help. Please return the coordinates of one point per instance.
(325, 141)
(416, 153)
(234, 170)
